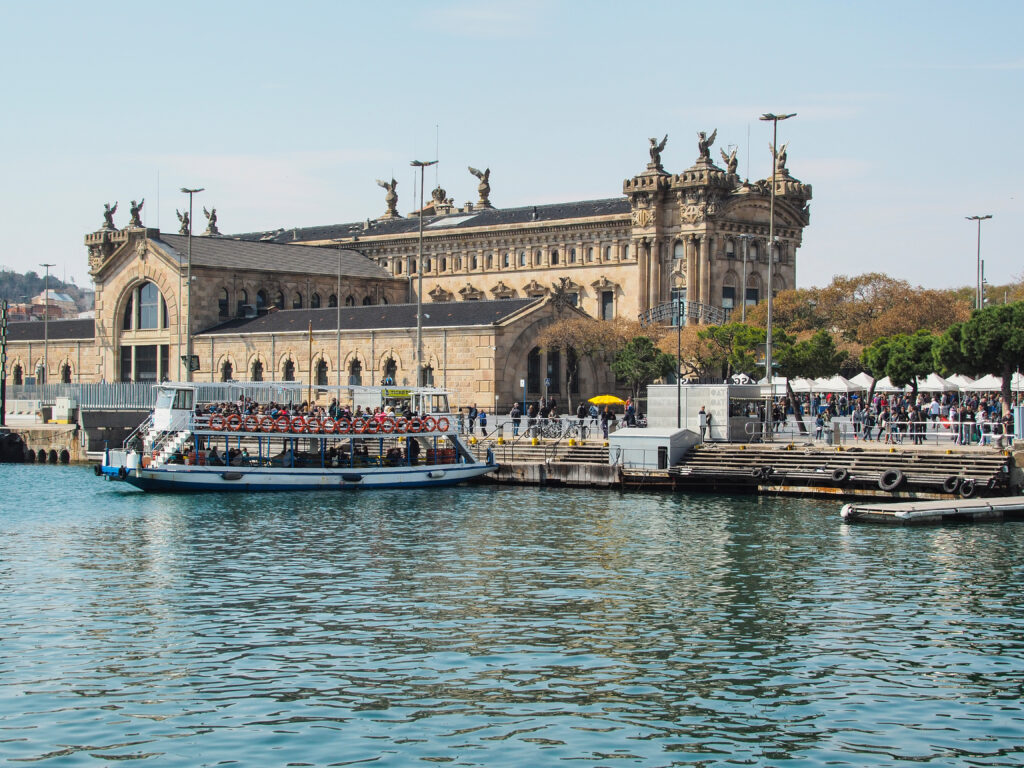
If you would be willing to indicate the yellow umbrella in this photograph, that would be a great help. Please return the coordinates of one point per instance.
(607, 400)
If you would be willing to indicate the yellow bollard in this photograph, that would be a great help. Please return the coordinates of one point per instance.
(572, 441)
(501, 441)
(534, 441)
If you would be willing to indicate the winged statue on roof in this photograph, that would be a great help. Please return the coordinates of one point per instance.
(484, 188)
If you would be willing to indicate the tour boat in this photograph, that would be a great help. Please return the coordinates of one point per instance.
(182, 448)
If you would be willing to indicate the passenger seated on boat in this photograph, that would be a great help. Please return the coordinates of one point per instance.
(393, 457)
(214, 459)
(176, 458)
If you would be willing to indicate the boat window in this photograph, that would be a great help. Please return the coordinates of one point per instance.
(164, 398)
(183, 400)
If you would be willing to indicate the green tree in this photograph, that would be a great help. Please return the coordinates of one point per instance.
(640, 362)
(992, 341)
(903, 358)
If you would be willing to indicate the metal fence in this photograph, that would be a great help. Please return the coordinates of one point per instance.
(140, 395)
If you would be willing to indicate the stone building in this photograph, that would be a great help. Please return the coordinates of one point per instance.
(491, 278)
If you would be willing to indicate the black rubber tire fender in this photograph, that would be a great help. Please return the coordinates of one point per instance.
(967, 488)
(756, 473)
(840, 475)
(950, 484)
(891, 479)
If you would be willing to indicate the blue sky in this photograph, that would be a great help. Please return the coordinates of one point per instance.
(908, 115)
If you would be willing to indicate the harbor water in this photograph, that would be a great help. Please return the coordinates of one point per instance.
(497, 626)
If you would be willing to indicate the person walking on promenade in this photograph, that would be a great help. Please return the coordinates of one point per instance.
(482, 417)
(471, 417)
(517, 416)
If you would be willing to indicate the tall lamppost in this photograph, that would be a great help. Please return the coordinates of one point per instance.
(979, 295)
(774, 119)
(188, 288)
(422, 165)
(46, 320)
(338, 319)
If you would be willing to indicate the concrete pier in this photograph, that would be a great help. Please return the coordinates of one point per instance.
(936, 512)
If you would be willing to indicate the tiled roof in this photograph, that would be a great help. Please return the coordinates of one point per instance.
(57, 330)
(230, 253)
(482, 217)
(435, 315)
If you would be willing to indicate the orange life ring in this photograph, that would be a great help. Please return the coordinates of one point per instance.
(372, 425)
(443, 424)
(343, 426)
(413, 426)
(387, 425)
(234, 422)
(313, 424)
(328, 425)
(266, 424)
(281, 423)
(358, 425)
(429, 425)
(297, 424)
(216, 422)
(400, 424)
(251, 423)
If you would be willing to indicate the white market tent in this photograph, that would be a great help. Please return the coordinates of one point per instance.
(935, 383)
(886, 385)
(961, 381)
(987, 383)
(1017, 382)
(837, 383)
(802, 385)
(864, 379)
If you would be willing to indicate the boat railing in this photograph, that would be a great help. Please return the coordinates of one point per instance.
(138, 434)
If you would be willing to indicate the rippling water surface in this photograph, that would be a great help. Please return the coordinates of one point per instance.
(489, 626)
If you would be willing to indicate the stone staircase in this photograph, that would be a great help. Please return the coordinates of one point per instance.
(523, 452)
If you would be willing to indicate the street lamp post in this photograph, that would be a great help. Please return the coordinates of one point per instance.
(422, 165)
(774, 119)
(46, 320)
(188, 288)
(979, 295)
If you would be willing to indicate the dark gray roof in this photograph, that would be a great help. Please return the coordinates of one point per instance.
(489, 217)
(226, 252)
(435, 315)
(32, 330)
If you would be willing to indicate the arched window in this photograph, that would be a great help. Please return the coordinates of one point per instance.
(398, 266)
(288, 373)
(625, 251)
(129, 314)
(607, 253)
(355, 372)
(321, 373)
(367, 301)
(257, 370)
(279, 300)
(314, 301)
(444, 264)
(554, 257)
(776, 253)
(332, 300)
(222, 302)
(533, 370)
(730, 249)
(678, 250)
(17, 376)
(261, 301)
(350, 301)
(227, 371)
(65, 374)
(504, 260)
(752, 254)
(427, 265)
(729, 292)
(536, 258)
(243, 300)
(428, 375)
(490, 260)
(572, 256)
(753, 290)
(41, 373)
(590, 254)
(390, 369)
(555, 370)
(297, 301)
(522, 258)
(474, 262)
(149, 306)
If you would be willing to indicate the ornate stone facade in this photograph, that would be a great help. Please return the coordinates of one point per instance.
(701, 234)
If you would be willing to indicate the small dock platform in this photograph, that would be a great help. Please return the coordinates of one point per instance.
(936, 512)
